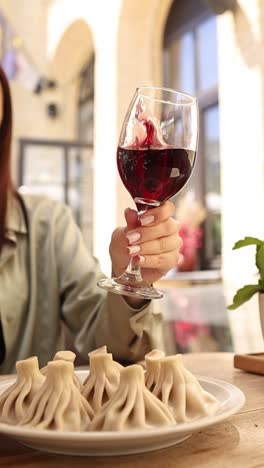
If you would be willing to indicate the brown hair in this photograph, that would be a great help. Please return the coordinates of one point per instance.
(5, 153)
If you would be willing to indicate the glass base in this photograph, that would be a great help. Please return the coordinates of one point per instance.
(140, 289)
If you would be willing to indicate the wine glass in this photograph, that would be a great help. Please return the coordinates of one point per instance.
(155, 159)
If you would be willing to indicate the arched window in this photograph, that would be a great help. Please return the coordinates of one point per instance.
(190, 65)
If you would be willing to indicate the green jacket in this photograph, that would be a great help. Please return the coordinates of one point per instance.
(47, 276)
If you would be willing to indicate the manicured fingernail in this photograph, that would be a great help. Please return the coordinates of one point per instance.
(140, 259)
(147, 220)
(133, 237)
(134, 249)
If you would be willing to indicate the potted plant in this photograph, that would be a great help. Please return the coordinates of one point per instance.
(244, 294)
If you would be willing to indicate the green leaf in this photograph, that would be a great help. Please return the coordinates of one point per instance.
(247, 241)
(244, 294)
(260, 260)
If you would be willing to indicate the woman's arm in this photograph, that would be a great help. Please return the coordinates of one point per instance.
(94, 317)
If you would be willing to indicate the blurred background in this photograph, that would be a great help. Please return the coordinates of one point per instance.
(73, 67)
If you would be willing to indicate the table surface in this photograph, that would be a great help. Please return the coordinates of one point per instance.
(236, 442)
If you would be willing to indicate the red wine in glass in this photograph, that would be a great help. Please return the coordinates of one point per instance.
(154, 174)
(155, 159)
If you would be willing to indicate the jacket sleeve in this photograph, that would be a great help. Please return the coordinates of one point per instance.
(93, 316)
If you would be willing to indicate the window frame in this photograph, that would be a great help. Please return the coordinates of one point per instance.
(206, 99)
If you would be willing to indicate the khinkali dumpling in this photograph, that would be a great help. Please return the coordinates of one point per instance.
(102, 381)
(132, 406)
(68, 356)
(15, 401)
(58, 404)
(102, 349)
(152, 360)
(180, 391)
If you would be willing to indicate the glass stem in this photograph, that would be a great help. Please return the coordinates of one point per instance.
(130, 283)
(132, 275)
(133, 271)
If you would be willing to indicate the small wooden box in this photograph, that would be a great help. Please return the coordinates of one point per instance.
(253, 362)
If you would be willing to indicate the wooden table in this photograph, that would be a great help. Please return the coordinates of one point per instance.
(237, 442)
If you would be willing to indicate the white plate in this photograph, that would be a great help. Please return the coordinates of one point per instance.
(119, 443)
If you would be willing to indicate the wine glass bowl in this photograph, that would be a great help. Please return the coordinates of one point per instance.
(155, 159)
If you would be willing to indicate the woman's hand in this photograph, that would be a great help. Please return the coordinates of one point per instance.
(154, 244)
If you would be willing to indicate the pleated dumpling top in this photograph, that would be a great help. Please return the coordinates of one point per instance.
(102, 349)
(59, 405)
(102, 380)
(132, 406)
(152, 360)
(68, 356)
(181, 392)
(15, 401)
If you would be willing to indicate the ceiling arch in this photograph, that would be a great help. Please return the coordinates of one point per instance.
(74, 49)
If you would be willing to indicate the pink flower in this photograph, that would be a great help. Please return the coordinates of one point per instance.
(192, 239)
